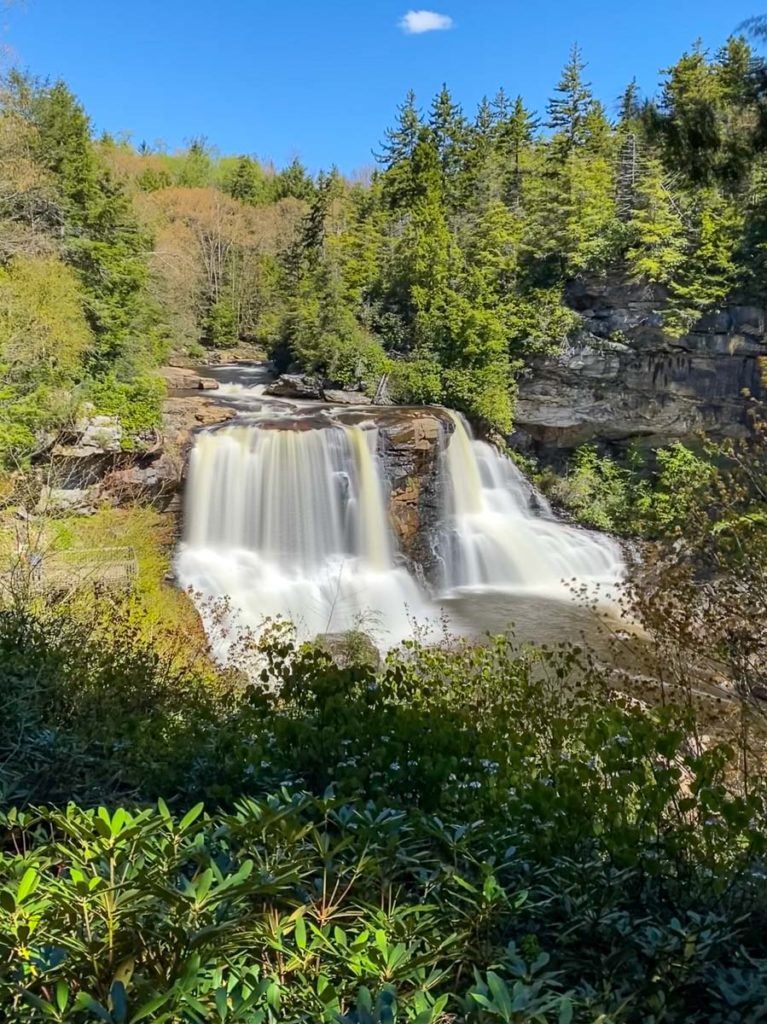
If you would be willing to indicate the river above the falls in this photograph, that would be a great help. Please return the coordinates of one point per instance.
(294, 510)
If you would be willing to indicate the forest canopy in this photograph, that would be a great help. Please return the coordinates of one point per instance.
(444, 270)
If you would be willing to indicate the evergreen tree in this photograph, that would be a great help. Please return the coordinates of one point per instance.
(629, 107)
(294, 181)
(514, 133)
(64, 148)
(656, 228)
(400, 141)
(396, 153)
(246, 182)
(709, 272)
(197, 167)
(568, 110)
(450, 132)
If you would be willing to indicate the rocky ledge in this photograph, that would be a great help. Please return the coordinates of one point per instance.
(623, 379)
(302, 385)
(90, 465)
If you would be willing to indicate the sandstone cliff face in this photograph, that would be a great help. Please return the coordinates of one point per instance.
(622, 379)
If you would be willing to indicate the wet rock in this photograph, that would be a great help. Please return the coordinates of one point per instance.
(410, 445)
(207, 384)
(345, 397)
(294, 385)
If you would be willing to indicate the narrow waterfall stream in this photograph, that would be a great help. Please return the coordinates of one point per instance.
(501, 533)
(286, 516)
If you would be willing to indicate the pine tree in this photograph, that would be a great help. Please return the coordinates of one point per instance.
(709, 272)
(514, 133)
(294, 181)
(246, 182)
(502, 106)
(65, 149)
(197, 168)
(397, 151)
(569, 109)
(401, 140)
(656, 228)
(629, 107)
(450, 132)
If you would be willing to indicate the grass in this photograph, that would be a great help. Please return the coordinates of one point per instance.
(149, 534)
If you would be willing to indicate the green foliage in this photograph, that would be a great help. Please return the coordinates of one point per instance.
(683, 481)
(597, 491)
(136, 403)
(471, 831)
(43, 338)
(221, 325)
(415, 381)
(74, 305)
(626, 496)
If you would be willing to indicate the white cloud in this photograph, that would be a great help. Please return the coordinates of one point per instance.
(416, 22)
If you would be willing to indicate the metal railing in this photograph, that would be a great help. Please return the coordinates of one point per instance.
(114, 567)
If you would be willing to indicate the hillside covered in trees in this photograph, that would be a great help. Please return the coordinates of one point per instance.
(444, 268)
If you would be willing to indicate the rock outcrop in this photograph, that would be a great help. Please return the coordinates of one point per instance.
(182, 378)
(90, 465)
(294, 385)
(410, 442)
(623, 379)
(302, 385)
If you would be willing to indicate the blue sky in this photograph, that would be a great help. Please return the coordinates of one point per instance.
(320, 80)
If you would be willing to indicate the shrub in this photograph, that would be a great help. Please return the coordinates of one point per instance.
(137, 403)
(415, 381)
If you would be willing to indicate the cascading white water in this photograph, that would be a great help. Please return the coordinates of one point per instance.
(500, 534)
(286, 517)
(292, 523)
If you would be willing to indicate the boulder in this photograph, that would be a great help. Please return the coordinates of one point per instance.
(185, 378)
(294, 385)
(64, 500)
(94, 435)
(345, 397)
(150, 479)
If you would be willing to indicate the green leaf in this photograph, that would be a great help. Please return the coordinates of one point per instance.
(86, 1002)
(29, 882)
(62, 995)
(190, 817)
(300, 932)
(149, 1007)
(566, 1011)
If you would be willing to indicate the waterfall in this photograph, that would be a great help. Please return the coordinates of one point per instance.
(286, 516)
(292, 522)
(500, 534)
